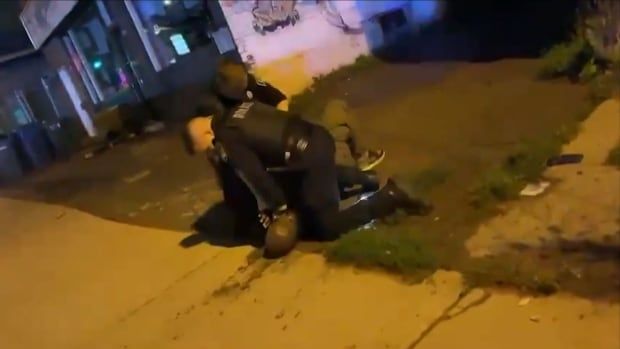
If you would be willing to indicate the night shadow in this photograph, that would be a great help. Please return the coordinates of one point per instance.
(217, 227)
(473, 31)
(591, 250)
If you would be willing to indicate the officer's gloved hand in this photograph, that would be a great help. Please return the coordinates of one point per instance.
(266, 217)
(282, 232)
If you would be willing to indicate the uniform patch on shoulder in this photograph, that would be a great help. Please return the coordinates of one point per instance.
(260, 82)
(249, 94)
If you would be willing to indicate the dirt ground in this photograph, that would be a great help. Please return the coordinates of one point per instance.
(462, 118)
(458, 115)
(574, 227)
(121, 216)
(467, 119)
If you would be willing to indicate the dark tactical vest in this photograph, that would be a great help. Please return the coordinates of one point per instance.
(273, 134)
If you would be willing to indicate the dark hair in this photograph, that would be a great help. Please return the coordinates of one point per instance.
(228, 60)
(229, 81)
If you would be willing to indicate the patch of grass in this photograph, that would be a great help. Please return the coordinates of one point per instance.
(528, 161)
(525, 164)
(613, 159)
(604, 86)
(426, 180)
(565, 59)
(495, 185)
(390, 248)
(589, 71)
(312, 100)
(421, 183)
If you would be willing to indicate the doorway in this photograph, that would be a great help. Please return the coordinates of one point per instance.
(99, 59)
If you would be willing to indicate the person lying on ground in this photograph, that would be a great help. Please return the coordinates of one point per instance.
(233, 81)
(240, 199)
(252, 137)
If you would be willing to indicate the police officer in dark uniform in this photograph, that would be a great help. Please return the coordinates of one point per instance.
(252, 137)
(232, 84)
(340, 124)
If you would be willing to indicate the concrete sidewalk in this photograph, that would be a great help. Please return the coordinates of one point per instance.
(582, 204)
(72, 280)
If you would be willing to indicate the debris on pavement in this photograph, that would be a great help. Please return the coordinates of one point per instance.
(132, 214)
(154, 127)
(188, 214)
(145, 206)
(564, 159)
(535, 318)
(576, 272)
(535, 189)
(524, 301)
(137, 177)
(61, 214)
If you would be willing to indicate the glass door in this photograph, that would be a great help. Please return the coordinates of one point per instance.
(98, 58)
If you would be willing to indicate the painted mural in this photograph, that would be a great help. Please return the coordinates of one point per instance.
(267, 30)
(271, 15)
(317, 36)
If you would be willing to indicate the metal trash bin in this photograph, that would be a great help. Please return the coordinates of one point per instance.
(32, 146)
(10, 166)
(61, 140)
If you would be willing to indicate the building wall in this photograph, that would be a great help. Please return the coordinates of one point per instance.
(195, 68)
(25, 74)
(311, 35)
(148, 78)
(22, 73)
(309, 38)
(170, 90)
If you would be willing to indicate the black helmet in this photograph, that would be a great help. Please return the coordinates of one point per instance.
(231, 80)
(281, 235)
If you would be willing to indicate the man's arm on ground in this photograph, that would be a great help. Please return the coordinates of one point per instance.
(251, 170)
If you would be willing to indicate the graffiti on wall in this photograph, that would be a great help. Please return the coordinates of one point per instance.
(271, 15)
(268, 30)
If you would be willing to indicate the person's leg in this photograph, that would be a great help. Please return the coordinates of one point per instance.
(240, 200)
(319, 186)
(381, 204)
(344, 127)
(352, 181)
(319, 210)
(344, 154)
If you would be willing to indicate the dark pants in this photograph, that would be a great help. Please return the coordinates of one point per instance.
(319, 194)
(313, 190)
(319, 191)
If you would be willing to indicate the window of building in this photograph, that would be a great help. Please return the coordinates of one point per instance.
(392, 21)
(14, 111)
(170, 29)
(97, 56)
